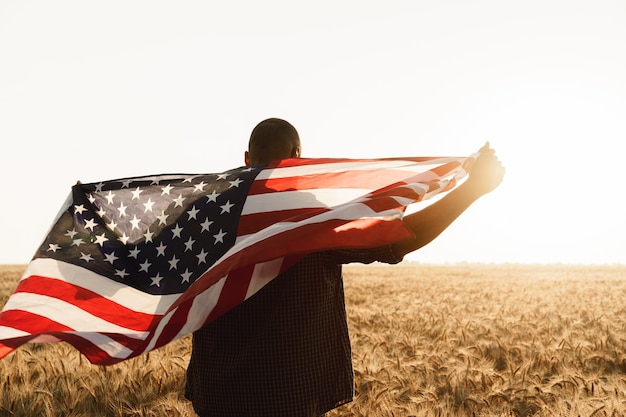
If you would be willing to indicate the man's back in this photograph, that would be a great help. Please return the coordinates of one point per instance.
(285, 351)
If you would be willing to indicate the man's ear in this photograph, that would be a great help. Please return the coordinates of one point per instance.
(246, 158)
(296, 152)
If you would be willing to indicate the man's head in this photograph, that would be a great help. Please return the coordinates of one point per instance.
(270, 140)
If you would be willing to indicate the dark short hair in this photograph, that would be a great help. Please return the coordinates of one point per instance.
(272, 139)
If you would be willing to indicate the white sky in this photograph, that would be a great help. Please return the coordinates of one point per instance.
(100, 90)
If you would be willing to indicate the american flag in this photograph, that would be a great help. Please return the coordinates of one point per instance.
(132, 264)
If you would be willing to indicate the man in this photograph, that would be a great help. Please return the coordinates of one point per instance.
(286, 350)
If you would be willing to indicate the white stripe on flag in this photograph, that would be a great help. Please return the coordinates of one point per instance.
(263, 273)
(108, 345)
(287, 200)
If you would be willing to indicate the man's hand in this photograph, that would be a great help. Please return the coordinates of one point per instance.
(486, 173)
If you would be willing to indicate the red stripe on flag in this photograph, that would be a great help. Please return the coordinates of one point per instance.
(252, 223)
(88, 301)
(233, 292)
(32, 323)
(171, 329)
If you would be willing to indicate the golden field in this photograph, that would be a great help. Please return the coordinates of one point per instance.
(428, 340)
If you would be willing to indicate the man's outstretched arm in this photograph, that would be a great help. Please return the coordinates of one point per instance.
(428, 223)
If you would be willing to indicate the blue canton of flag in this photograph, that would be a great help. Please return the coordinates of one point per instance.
(157, 234)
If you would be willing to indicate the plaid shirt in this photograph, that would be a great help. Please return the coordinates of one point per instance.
(286, 350)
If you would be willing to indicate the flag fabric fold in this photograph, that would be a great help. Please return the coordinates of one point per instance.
(132, 264)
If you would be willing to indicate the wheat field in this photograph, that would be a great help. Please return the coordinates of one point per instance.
(428, 340)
